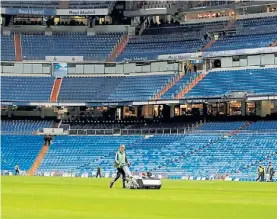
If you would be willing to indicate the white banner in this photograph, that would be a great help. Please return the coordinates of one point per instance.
(53, 131)
(180, 56)
(186, 56)
(80, 12)
(64, 58)
(240, 52)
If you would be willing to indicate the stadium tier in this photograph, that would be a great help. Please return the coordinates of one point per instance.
(55, 4)
(261, 25)
(112, 88)
(221, 126)
(145, 87)
(176, 39)
(155, 153)
(232, 155)
(150, 47)
(242, 42)
(26, 88)
(254, 81)
(195, 154)
(24, 126)
(263, 125)
(180, 85)
(97, 47)
(19, 149)
(7, 47)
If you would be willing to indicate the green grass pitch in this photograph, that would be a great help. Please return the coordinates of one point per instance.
(86, 198)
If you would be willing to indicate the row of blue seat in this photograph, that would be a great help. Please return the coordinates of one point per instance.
(254, 81)
(26, 88)
(24, 126)
(112, 88)
(194, 154)
(129, 88)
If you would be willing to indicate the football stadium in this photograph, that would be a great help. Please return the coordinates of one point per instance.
(138, 109)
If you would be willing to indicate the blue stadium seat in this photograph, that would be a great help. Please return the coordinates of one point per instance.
(263, 125)
(195, 154)
(21, 88)
(24, 126)
(227, 126)
(98, 47)
(180, 85)
(243, 42)
(254, 81)
(111, 88)
(19, 149)
(7, 48)
(176, 155)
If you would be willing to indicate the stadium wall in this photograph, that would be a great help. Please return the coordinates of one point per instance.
(45, 68)
(91, 31)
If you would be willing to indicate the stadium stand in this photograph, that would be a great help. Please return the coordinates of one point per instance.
(7, 47)
(25, 88)
(243, 42)
(263, 25)
(263, 125)
(111, 88)
(193, 154)
(225, 148)
(218, 83)
(176, 155)
(176, 39)
(97, 47)
(19, 149)
(186, 38)
(24, 126)
(79, 153)
(221, 126)
(151, 46)
(231, 155)
(178, 86)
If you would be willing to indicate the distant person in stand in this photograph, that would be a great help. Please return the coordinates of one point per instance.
(260, 173)
(185, 68)
(45, 139)
(98, 173)
(195, 68)
(16, 169)
(269, 172)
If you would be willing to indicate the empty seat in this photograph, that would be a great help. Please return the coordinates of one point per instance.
(17, 88)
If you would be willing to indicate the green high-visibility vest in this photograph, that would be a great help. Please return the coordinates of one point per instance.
(120, 158)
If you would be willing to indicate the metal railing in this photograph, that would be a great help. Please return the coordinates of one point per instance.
(144, 131)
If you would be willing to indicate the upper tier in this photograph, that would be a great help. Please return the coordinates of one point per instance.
(55, 4)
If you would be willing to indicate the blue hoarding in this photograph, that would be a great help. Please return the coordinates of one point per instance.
(31, 11)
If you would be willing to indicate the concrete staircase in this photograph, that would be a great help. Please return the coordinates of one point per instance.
(18, 48)
(168, 86)
(208, 45)
(38, 160)
(118, 48)
(243, 127)
(190, 86)
(56, 90)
